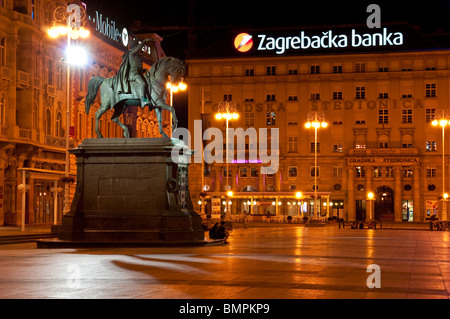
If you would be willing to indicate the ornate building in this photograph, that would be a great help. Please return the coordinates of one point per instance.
(33, 106)
(379, 97)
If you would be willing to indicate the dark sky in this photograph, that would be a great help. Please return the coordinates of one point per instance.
(208, 20)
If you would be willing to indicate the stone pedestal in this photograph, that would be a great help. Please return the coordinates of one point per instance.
(131, 191)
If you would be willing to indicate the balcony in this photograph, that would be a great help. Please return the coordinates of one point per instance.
(383, 152)
(23, 79)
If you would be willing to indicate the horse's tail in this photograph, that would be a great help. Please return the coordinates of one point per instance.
(93, 86)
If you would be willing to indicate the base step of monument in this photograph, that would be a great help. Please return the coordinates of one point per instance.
(57, 243)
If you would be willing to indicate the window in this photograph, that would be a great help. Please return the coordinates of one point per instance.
(3, 111)
(337, 68)
(292, 171)
(227, 97)
(383, 69)
(360, 67)
(337, 95)
(293, 71)
(292, 98)
(430, 146)
(315, 96)
(406, 95)
(49, 72)
(315, 69)
(59, 77)
(384, 145)
(360, 171)
(406, 116)
(360, 92)
(377, 171)
(390, 171)
(270, 97)
(312, 150)
(249, 71)
(33, 9)
(383, 95)
(243, 172)
(407, 145)
(337, 171)
(293, 144)
(383, 116)
(314, 172)
(337, 148)
(270, 118)
(2, 51)
(430, 90)
(431, 172)
(429, 115)
(249, 119)
(271, 70)
(407, 171)
(254, 172)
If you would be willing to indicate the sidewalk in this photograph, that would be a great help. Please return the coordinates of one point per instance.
(7, 231)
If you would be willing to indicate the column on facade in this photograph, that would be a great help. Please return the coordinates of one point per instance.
(350, 212)
(397, 194)
(261, 182)
(217, 178)
(417, 209)
(278, 177)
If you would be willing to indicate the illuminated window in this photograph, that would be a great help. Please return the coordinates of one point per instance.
(360, 171)
(430, 146)
(271, 118)
(33, 9)
(377, 171)
(390, 171)
(337, 148)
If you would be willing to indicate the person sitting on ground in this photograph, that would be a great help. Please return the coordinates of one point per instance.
(221, 232)
(354, 225)
(213, 230)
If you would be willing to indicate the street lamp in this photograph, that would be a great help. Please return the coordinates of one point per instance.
(227, 110)
(70, 19)
(316, 120)
(173, 88)
(299, 196)
(441, 118)
(370, 197)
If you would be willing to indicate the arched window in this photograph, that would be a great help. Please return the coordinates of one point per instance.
(383, 141)
(48, 122)
(2, 51)
(58, 127)
(407, 141)
(2, 110)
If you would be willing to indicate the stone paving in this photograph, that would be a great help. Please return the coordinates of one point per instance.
(270, 262)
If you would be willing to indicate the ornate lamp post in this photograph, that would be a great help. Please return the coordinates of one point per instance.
(69, 21)
(316, 120)
(441, 117)
(227, 110)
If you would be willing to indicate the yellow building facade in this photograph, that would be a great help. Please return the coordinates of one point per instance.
(378, 104)
(33, 105)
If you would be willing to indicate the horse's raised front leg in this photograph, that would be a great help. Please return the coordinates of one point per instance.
(158, 113)
(164, 106)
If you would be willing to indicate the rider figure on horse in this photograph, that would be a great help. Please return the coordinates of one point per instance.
(131, 71)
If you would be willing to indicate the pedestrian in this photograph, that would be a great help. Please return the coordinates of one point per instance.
(213, 230)
(222, 233)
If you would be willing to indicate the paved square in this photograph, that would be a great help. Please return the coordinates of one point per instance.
(265, 262)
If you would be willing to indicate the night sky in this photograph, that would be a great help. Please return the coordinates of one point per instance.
(209, 20)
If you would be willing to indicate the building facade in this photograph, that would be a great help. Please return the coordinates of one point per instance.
(378, 103)
(33, 103)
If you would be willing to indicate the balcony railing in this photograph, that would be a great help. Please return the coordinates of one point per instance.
(383, 152)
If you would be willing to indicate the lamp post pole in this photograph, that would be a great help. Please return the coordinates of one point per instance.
(227, 110)
(315, 120)
(442, 118)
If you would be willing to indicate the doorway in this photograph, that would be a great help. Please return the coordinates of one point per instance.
(384, 203)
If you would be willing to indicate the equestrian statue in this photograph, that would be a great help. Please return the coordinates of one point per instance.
(135, 86)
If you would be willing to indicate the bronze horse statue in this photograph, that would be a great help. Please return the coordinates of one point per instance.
(164, 70)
